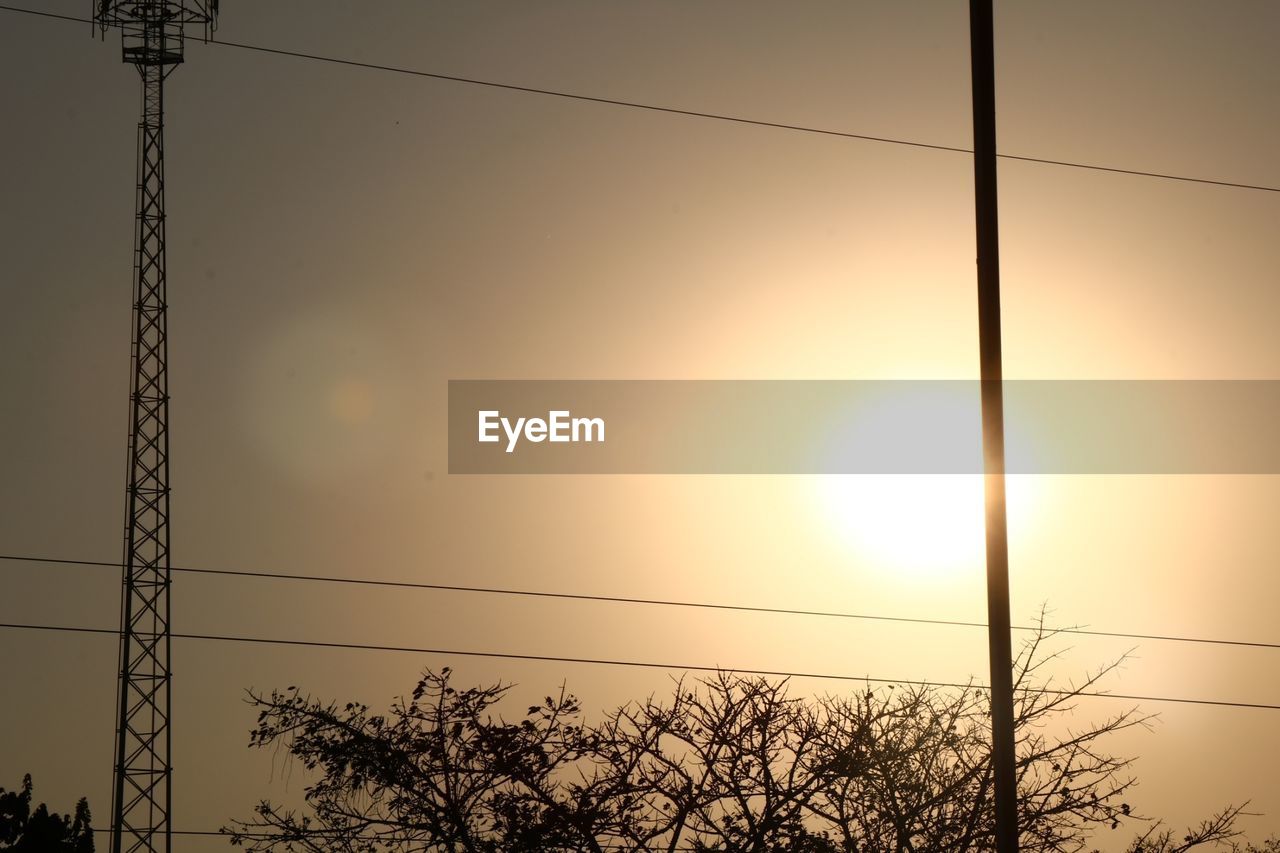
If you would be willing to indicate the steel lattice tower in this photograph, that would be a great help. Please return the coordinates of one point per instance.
(153, 34)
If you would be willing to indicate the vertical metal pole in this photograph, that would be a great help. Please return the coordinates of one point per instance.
(1003, 758)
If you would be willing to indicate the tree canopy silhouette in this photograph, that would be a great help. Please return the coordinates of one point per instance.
(41, 831)
(728, 762)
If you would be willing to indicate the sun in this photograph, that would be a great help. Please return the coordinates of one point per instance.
(919, 509)
(923, 526)
(914, 523)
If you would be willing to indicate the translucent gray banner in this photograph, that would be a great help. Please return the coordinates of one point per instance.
(859, 427)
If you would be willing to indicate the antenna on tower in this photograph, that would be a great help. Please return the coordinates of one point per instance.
(153, 37)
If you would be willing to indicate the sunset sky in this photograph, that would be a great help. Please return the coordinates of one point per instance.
(343, 241)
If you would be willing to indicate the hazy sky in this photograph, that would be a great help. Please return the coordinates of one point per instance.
(343, 241)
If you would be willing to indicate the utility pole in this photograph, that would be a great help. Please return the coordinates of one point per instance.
(153, 34)
(1003, 757)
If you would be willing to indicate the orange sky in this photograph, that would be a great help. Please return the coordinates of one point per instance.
(342, 242)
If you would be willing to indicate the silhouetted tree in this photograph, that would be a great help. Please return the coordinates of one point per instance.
(1271, 845)
(1218, 829)
(42, 831)
(728, 762)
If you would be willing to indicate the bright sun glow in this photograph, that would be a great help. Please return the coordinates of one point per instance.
(923, 524)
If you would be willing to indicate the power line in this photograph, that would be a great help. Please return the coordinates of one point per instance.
(198, 832)
(313, 833)
(616, 599)
(734, 119)
(778, 673)
(511, 87)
